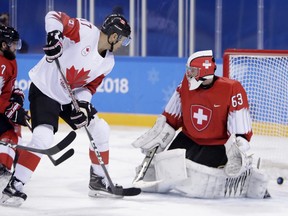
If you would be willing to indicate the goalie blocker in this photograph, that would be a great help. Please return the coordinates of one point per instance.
(161, 134)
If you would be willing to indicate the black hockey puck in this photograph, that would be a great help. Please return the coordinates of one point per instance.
(280, 180)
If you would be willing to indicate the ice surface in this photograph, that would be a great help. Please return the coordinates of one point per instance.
(62, 190)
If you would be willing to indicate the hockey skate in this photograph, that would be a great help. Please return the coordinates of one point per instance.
(98, 186)
(12, 195)
(5, 176)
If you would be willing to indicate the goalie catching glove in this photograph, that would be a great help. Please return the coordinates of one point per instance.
(238, 161)
(54, 47)
(82, 117)
(161, 134)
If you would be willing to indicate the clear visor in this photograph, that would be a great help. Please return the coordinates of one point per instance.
(17, 44)
(125, 40)
(192, 72)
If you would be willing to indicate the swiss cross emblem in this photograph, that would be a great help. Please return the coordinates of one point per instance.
(206, 64)
(200, 117)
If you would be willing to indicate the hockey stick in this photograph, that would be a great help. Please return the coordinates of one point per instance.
(50, 151)
(265, 163)
(139, 179)
(117, 190)
(63, 157)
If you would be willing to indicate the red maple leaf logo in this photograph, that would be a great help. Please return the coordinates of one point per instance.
(76, 78)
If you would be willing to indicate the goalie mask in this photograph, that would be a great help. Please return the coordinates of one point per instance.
(200, 67)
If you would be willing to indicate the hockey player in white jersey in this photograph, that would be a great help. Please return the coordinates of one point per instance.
(86, 57)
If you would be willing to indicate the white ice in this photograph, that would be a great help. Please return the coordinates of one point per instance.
(62, 190)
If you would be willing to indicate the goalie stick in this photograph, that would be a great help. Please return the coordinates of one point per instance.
(63, 157)
(139, 178)
(116, 190)
(264, 163)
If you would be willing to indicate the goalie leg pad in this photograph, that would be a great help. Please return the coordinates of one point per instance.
(168, 168)
(258, 185)
(175, 172)
(205, 182)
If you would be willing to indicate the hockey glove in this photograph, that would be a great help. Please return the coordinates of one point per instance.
(88, 109)
(54, 47)
(17, 114)
(78, 119)
(84, 116)
(242, 144)
(17, 96)
(238, 160)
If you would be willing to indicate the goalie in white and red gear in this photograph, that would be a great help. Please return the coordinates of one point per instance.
(208, 109)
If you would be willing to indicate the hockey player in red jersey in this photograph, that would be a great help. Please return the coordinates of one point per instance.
(213, 114)
(86, 57)
(12, 114)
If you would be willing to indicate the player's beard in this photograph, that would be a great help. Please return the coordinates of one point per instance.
(9, 54)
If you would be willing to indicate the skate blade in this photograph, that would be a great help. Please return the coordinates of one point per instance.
(11, 201)
(98, 194)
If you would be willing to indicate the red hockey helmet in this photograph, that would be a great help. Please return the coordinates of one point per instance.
(200, 67)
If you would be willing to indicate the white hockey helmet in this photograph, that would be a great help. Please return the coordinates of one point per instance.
(200, 67)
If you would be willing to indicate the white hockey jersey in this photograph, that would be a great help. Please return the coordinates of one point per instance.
(83, 66)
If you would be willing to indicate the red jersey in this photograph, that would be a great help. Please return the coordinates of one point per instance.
(8, 74)
(209, 116)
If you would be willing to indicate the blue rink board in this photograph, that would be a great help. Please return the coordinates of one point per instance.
(135, 86)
